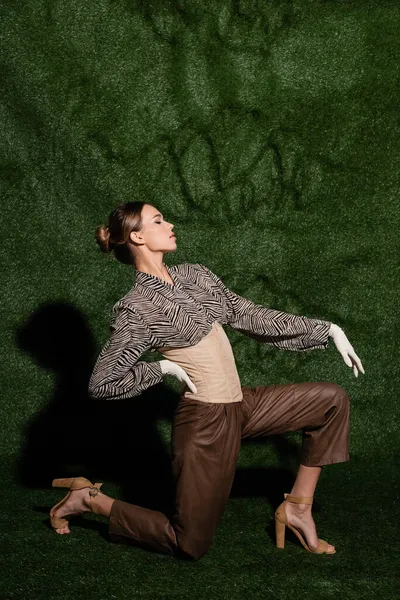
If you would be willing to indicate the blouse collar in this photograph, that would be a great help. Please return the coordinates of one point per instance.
(153, 281)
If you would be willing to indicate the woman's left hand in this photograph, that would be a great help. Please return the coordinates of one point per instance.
(346, 349)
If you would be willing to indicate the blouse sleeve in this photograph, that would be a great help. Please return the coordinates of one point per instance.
(118, 373)
(270, 326)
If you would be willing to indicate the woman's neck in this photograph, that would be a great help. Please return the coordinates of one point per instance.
(154, 269)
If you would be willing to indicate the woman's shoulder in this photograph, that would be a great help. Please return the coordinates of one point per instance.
(133, 298)
(130, 302)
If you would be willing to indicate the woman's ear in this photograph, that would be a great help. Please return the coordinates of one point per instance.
(134, 236)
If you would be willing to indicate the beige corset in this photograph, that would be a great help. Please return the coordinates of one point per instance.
(210, 364)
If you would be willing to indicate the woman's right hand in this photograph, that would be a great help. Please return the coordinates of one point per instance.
(170, 368)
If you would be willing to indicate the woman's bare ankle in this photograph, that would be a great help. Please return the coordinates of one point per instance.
(100, 504)
(86, 500)
(301, 509)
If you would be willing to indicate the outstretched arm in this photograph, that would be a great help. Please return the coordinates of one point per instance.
(118, 373)
(270, 326)
(283, 330)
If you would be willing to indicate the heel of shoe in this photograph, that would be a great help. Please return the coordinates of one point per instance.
(62, 483)
(280, 533)
(72, 483)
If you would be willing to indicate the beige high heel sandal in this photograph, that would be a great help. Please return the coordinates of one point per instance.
(72, 483)
(281, 522)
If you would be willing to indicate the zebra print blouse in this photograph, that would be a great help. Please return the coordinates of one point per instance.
(155, 313)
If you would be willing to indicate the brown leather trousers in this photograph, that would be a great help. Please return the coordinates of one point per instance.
(206, 439)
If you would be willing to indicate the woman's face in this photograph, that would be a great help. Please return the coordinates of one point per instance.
(156, 233)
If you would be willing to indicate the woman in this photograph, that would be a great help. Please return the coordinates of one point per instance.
(179, 311)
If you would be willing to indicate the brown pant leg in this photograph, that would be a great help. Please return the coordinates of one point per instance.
(205, 444)
(204, 464)
(320, 410)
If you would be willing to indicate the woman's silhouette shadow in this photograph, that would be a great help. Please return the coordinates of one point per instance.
(74, 435)
(114, 441)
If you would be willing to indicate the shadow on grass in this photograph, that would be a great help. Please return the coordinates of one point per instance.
(114, 441)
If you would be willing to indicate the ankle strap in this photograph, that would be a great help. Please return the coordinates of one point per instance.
(95, 490)
(298, 499)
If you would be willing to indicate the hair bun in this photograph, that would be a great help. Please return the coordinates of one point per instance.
(103, 238)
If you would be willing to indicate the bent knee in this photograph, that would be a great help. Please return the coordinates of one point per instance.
(334, 389)
(195, 549)
(337, 396)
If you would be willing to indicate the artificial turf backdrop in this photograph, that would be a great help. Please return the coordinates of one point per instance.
(267, 132)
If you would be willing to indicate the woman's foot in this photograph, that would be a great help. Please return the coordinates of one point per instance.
(300, 517)
(77, 503)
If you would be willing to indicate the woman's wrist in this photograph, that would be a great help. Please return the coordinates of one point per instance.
(334, 329)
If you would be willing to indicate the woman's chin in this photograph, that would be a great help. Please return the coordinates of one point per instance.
(171, 249)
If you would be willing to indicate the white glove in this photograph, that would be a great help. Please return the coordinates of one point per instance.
(345, 348)
(170, 368)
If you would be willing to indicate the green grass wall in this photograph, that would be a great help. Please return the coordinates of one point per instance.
(268, 133)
